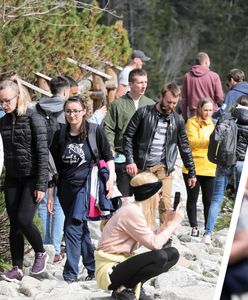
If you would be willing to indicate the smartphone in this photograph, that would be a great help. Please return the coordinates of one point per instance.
(176, 200)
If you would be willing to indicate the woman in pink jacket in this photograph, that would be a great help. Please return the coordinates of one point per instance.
(117, 266)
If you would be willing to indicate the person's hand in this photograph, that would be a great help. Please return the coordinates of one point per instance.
(39, 195)
(132, 169)
(110, 188)
(50, 204)
(192, 182)
(175, 216)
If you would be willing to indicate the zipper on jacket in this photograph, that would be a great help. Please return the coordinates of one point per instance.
(150, 141)
(13, 128)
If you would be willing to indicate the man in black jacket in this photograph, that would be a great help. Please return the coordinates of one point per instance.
(151, 140)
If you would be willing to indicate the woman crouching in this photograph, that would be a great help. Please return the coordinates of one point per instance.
(117, 266)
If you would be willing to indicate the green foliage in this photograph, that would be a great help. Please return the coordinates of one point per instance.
(42, 40)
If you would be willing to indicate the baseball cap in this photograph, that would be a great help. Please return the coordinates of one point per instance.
(140, 54)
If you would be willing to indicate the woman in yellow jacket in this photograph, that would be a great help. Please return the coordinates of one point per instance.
(199, 129)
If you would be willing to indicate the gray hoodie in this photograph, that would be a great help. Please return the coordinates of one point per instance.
(54, 104)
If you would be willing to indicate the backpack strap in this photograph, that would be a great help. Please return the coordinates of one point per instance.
(92, 141)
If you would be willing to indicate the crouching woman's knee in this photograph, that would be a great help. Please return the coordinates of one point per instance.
(167, 258)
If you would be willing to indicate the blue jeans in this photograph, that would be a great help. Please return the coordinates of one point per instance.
(52, 224)
(220, 183)
(238, 172)
(78, 242)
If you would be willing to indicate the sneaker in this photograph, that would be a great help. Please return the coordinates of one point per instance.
(40, 261)
(195, 232)
(206, 239)
(126, 294)
(90, 276)
(69, 281)
(143, 295)
(14, 275)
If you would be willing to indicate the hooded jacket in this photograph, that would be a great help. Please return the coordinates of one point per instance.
(241, 114)
(198, 83)
(232, 96)
(54, 105)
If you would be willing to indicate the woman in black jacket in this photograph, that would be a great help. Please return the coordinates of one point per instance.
(24, 137)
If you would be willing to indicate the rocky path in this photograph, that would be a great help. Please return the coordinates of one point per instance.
(194, 276)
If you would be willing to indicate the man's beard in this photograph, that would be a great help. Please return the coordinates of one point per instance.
(164, 110)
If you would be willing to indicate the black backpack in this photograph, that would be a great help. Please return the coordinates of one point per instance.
(223, 142)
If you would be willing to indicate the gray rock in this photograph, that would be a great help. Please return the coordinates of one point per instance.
(8, 289)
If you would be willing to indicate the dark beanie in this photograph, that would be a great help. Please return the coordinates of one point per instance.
(145, 191)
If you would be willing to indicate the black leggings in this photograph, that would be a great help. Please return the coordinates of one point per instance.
(207, 185)
(142, 267)
(21, 208)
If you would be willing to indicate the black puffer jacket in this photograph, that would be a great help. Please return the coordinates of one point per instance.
(25, 147)
(139, 135)
(241, 114)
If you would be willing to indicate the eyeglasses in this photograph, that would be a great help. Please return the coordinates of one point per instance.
(72, 111)
(7, 101)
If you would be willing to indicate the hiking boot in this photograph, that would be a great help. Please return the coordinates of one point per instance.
(40, 261)
(126, 294)
(195, 232)
(90, 276)
(143, 295)
(14, 275)
(206, 239)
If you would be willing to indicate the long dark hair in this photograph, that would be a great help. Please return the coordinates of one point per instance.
(84, 125)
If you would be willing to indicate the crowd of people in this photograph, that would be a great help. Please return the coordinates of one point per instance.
(51, 149)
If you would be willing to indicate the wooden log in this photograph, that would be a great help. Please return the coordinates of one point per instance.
(110, 84)
(96, 95)
(109, 63)
(111, 92)
(35, 88)
(43, 81)
(88, 68)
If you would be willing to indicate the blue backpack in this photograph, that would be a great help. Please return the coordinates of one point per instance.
(223, 141)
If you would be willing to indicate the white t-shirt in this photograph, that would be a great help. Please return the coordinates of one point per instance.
(123, 77)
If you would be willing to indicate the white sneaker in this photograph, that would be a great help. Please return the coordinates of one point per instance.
(206, 239)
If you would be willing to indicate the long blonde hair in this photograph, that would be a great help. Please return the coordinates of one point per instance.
(24, 99)
(148, 206)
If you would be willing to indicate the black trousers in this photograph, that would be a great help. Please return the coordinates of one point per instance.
(206, 183)
(123, 179)
(21, 208)
(142, 267)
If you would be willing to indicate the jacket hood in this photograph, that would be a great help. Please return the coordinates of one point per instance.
(241, 87)
(241, 114)
(199, 70)
(53, 105)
